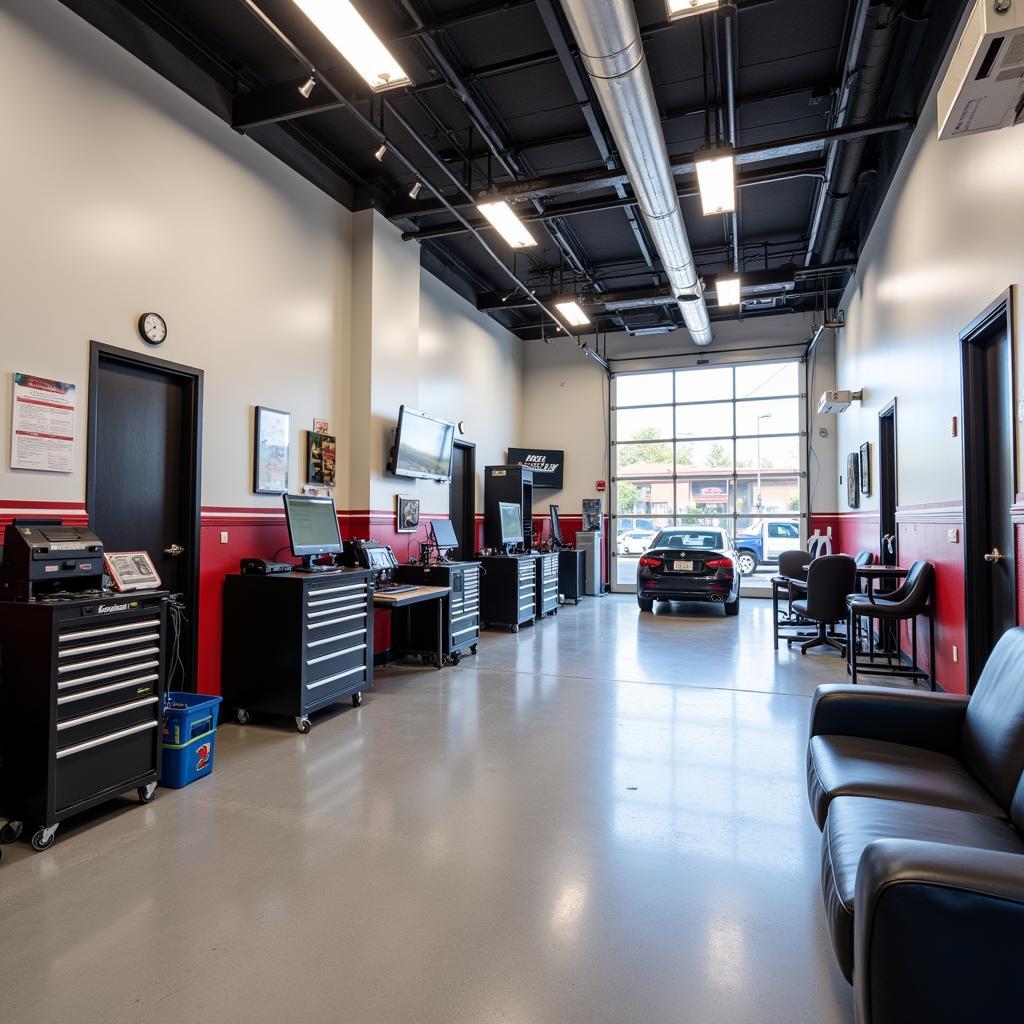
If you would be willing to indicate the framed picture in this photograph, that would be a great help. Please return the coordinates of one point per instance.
(321, 453)
(270, 451)
(407, 513)
(865, 468)
(852, 483)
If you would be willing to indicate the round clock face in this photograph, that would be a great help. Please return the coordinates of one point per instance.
(152, 328)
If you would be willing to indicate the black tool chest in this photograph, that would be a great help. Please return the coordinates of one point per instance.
(508, 590)
(81, 690)
(547, 584)
(296, 642)
(572, 575)
(461, 616)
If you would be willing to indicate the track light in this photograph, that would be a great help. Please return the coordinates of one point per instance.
(381, 153)
(683, 8)
(414, 192)
(716, 175)
(727, 290)
(307, 87)
(505, 221)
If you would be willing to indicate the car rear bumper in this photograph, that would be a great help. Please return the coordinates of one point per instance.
(686, 590)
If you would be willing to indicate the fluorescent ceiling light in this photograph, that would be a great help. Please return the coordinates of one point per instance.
(572, 312)
(342, 24)
(716, 175)
(681, 8)
(728, 291)
(504, 220)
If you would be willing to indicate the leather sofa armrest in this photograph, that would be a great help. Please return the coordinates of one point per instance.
(932, 721)
(938, 934)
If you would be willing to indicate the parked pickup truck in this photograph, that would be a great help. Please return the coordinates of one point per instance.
(761, 543)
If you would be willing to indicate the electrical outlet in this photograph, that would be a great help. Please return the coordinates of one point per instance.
(956, 654)
(954, 429)
(223, 536)
(953, 536)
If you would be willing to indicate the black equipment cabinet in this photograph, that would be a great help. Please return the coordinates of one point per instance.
(510, 484)
(81, 691)
(572, 575)
(508, 590)
(296, 642)
(460, 616)
(546, 584)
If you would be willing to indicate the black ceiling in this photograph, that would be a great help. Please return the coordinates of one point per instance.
(500, 100)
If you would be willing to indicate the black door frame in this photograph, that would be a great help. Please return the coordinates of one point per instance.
(888, 469)
(978, 614)
(468, 497)
(193, 378)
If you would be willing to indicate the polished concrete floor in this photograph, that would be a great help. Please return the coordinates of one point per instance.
(597, 821)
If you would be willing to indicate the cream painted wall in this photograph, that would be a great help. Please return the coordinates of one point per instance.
(122, 195)
(947, 242)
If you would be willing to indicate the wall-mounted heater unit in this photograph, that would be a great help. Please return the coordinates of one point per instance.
(832, 402)
(984, 86)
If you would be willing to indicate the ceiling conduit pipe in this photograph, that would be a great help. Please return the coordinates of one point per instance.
(868, 67)
(612, 54)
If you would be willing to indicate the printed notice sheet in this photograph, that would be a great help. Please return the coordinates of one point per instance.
(43, 424)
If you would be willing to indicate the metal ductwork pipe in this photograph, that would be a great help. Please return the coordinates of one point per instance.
(871, 64)
(612, 53)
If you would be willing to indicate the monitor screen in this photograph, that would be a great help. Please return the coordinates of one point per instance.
(511, 522)
(423, 446)
(556, 525)
(312, 525)
(444, 533)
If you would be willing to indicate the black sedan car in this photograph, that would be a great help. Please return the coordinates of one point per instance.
(689, 564)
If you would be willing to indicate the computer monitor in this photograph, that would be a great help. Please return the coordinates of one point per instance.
(312, 527)
(511, 517)
(556, 526)
(444, 534)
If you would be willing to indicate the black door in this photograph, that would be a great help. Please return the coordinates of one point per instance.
(462, 498)
(988, 429)
(143, 473)
(888, 541)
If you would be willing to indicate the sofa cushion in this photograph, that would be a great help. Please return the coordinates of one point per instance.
(854, 766)
(855, 821)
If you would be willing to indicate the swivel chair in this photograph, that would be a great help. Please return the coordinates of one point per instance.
(830, 580)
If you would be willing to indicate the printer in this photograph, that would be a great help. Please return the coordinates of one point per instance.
(41, 556)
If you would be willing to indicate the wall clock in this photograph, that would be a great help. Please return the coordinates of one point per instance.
(152, 328)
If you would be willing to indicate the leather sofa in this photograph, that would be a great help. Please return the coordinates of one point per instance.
(920, 801)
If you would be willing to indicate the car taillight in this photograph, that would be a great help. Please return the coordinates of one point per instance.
(650, 563)
(718, 563)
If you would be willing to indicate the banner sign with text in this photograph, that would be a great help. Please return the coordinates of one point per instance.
(547, 465)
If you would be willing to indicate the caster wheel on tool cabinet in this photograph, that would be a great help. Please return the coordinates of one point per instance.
(456, 658)
(472, 649)
(357, 699)
(242, 716)
(11, 832)
(41, 841)
(147, 793)
(515, 629)
(304, 725)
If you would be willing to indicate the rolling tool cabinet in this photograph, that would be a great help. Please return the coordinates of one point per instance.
(572, 578)
(81, 687)
(296, 642)
(547, 584)
(508, 591)
(511, 484)
(460, 617)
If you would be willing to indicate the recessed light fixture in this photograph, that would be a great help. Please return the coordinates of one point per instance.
(572, 312)
(343, 25)
(683, 8)
(728, 291)
(716, 175)
(307, 87)
(381, 153)
(414, 192)
(504, 220)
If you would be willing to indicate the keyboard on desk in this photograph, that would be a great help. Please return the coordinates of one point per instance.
(395, 588)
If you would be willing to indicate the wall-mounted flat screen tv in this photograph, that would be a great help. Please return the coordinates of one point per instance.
(423, 446)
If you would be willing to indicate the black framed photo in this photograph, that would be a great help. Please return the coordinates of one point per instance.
(865, 468)
(852, 483)
(270, 451)
(407, 513)
(321, 456)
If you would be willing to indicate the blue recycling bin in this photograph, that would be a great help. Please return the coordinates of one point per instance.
(189, 738)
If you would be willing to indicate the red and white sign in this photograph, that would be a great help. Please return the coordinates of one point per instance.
(43, 424)
(601, 485)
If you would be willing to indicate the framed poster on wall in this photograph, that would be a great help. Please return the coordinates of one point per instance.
(321, 456)
(43, 424)
(852, 485)
(407, 513)
(270, 451)
(865, 468)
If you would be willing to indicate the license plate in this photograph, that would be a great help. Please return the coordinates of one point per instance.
(682, 566)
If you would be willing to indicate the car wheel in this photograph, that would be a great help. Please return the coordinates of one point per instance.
(747, 563)
(646, 604)
(732, 607)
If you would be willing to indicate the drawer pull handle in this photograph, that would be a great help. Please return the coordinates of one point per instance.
(109, 659)
(335, 678)
(335, 622)
(463, 632)
(336, 590)
(80, 634)
(108, 645)
(336, 654)
(332, 639)
(123, 734)
(97, 715)
(109, 674)
(334, 611)
(100, 690)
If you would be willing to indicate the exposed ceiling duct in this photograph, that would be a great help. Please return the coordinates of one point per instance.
(611, 50)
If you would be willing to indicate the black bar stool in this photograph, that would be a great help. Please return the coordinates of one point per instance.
(912, 599)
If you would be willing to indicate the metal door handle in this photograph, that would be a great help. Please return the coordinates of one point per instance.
(994, 556)
(174, 550)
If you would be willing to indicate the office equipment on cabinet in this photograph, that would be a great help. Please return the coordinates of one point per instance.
(508, 590)
(82, 679)
(417, 624)
(313, 530)
(572, 578)
(546, 584)
(442, 540)
(296, 642)
(507, 485)
(41, 556)
(381, 561)
(557, 539)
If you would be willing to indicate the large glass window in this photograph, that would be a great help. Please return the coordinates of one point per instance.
(711, 447)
